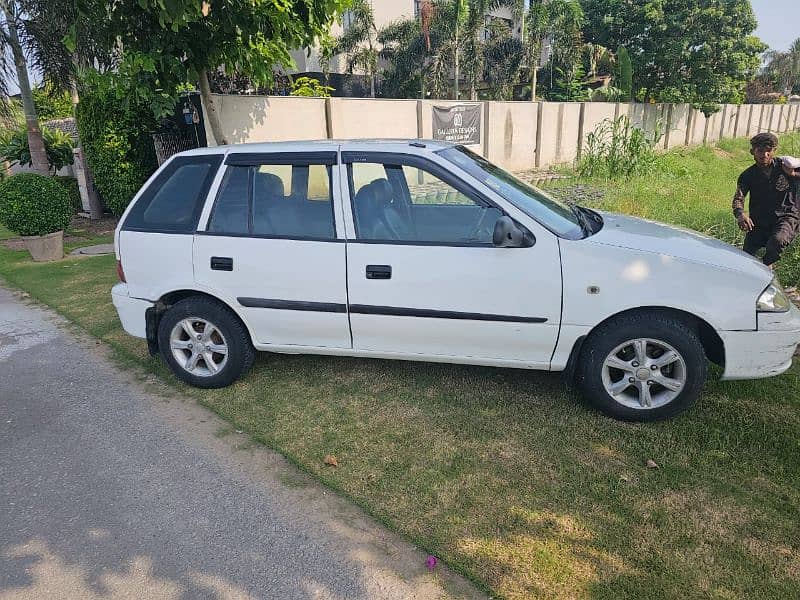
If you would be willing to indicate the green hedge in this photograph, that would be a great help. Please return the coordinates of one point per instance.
(71, 185)
(118, 144)
(32, 204)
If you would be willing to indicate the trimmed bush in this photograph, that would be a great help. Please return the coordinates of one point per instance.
(71, 185)
(117, 140)
(32, 204)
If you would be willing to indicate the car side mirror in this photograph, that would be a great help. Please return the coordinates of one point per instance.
(508, 234)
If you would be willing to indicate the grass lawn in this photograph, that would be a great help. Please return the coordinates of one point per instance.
(504, 474)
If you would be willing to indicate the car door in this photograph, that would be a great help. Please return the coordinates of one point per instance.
(424, 277)
(271, 248)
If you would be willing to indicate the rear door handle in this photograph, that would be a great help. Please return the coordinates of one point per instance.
(221, 263)
(379, 272)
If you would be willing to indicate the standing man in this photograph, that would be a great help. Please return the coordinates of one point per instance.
(770, 224)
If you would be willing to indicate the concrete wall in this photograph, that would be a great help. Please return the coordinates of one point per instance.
(678, 124)
(595, 113)
(269, 118)
(367, 118)
(511, 139)
(515, 135)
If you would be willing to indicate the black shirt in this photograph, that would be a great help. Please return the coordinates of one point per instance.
(768, 191)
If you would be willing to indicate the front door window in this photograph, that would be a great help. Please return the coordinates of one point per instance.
(404, 203)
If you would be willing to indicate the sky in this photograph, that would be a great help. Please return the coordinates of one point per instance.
(778, 22)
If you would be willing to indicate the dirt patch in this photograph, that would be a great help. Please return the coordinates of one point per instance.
(722, 153)
(104, 226)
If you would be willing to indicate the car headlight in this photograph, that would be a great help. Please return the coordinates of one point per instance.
(773, 299)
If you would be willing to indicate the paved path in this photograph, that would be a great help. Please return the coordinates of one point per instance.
(110, 490)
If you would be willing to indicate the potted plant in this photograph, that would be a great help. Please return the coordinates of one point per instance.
(38, 208)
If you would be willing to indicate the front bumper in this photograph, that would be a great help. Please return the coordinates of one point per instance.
(763, 353)
(131, 311)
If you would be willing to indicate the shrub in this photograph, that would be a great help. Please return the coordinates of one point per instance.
(310, 87)
(57, 144)
(71, 185)
(617, 149)
(32, 204)
(117, 141)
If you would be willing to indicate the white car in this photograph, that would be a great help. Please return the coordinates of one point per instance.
(422, 250)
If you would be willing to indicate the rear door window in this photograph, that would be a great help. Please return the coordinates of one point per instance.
(287, 197)
(172, 203)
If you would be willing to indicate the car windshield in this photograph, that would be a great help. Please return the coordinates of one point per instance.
(556, 216)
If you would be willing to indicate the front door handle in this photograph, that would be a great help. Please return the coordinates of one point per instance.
(379, 272)
(221, 263)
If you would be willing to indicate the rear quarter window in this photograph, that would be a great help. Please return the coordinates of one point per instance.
(172, 203)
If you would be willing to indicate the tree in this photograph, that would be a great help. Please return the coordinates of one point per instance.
(48, 25)
(783, 68)
(359, 42)
(559, 21)
(419, 63)
(51, 102)
(625, 77)
(167, 44)
(403, 46)
(697, 51)
(504, 55)
(460, 13)
(10, 30)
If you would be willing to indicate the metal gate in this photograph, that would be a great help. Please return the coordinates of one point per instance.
(167, 144)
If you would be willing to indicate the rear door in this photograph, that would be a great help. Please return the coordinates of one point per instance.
(424, 277)
(271, 247)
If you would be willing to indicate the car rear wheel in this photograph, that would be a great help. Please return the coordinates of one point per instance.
(643, 367)
(204, 344)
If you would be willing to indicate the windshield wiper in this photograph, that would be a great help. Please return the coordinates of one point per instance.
(585, 215)
(582, 220)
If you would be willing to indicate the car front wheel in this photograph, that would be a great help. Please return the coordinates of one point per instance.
(204, 344)
(643, 367)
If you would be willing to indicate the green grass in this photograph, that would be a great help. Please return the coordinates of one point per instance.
(504, 474)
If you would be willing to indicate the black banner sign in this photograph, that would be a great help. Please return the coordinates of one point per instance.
(460, 124)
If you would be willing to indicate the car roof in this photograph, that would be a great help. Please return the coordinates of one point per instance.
(363, 145)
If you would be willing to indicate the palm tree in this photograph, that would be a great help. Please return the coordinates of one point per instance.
(60, 40)
(358, 42)
(557, 20)
(460, 13)
(10, 37)
(504, 56)
(784, 67)
(412, 63)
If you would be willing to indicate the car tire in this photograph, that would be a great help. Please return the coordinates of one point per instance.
(642, 367)
(204, 343)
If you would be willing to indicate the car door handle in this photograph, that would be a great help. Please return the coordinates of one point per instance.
(221, 263)
(379, 272)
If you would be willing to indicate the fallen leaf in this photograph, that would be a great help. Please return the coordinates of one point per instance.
(651, 464)
(330, 459)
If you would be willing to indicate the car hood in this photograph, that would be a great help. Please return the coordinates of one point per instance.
(624, 231)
